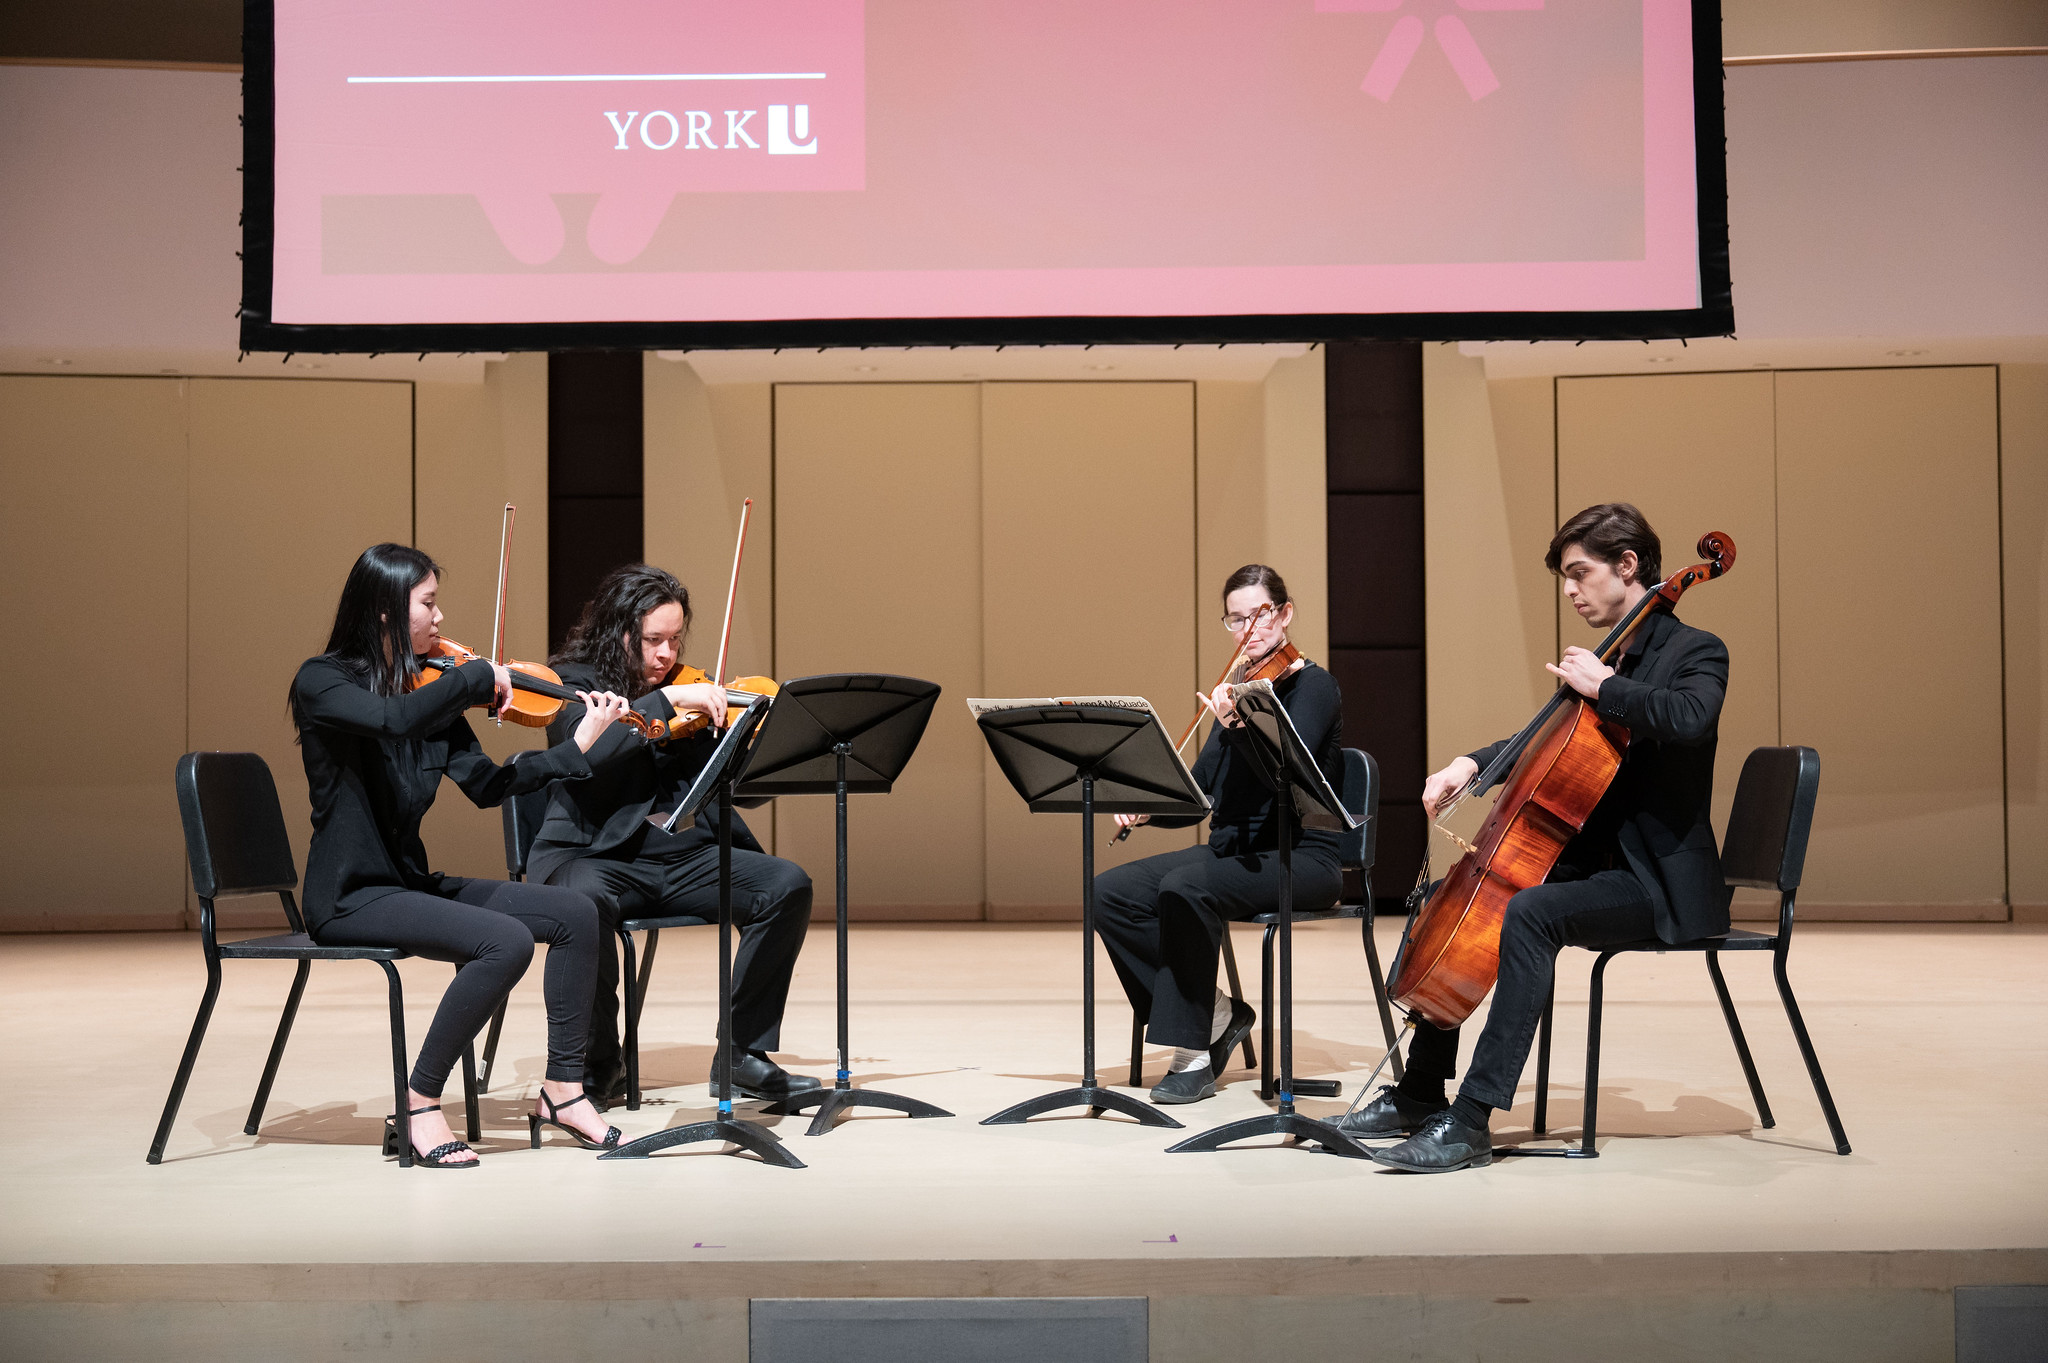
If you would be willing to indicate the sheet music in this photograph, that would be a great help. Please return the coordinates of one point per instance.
(982, 705)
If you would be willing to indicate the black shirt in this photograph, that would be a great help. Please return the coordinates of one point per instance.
(1241, 793)
(373, 764)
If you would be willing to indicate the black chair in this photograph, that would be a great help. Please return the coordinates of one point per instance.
(1360, 791)
(522, 818)
(1765, 849)
(236, 845)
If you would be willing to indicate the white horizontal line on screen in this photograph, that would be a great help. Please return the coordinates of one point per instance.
(534, 80)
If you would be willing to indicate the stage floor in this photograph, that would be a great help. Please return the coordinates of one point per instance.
(1930, 1035)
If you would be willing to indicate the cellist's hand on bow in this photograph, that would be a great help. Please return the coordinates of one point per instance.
(601, 709)
(1581, 670)
(1447, 783)
(699, 697)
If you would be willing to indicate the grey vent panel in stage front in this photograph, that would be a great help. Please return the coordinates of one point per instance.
(948, 1330)
(2001, 1324)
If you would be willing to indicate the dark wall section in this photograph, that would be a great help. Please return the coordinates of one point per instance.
(594, 476)
(1373, 428)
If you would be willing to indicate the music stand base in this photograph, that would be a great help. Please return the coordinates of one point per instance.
(1096, 1100)
(833, 1101)
(749, 1138)
(1274, 1124)
(1568, 1152)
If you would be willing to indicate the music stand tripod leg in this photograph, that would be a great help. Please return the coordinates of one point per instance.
(1090, 1094)
(724, 1127)
(842, 1095)
(1285, 1121)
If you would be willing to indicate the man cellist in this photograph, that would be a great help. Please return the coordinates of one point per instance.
(1645, 865)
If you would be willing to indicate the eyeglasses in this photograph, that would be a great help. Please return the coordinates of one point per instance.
(1238, 624)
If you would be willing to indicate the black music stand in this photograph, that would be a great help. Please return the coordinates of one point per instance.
(1078, 758)
(838, 735)
(1302, 790)
(718, 777)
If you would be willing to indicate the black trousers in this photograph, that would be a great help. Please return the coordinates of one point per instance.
(487, 929)
(1162, 919)
(1605, 909)
(771, 907)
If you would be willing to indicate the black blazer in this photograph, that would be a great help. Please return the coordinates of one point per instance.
(1668, 692)
(629, 780)
(373, 764)
(1240, 790)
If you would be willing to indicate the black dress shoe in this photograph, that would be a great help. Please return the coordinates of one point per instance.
(1441, 1145)
(1187, 1086)
(1391, 1113)
(1240, 1026)
(756, 1076)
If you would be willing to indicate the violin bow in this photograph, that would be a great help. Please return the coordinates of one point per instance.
(504, 575)
(732, 587)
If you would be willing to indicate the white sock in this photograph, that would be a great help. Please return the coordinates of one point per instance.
(1219, 1021)
(1185, 1060)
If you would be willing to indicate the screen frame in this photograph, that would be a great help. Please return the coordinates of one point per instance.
(1715, 316)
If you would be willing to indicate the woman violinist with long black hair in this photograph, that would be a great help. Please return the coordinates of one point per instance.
(1163, 918)
(376, 744)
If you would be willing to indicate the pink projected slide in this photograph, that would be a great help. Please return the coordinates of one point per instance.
(514, 161)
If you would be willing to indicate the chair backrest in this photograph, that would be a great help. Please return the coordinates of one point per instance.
(235, 840)
(523, 814)
(1359, 848)
(1773, 813)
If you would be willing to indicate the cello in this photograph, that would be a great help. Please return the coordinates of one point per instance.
(1554, 773)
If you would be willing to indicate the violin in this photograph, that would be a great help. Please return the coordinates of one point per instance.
(1555, 772)
(680, 675)
(537, 692)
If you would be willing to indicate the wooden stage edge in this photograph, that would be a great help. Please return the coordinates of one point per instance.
(1534, 1276)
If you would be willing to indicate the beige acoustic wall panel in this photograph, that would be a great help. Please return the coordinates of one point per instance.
(1230, 517)
(709, 448)
(1696, 453)
(1888, 535)
(92, 581)
(878, 569)
(471, 461)
(290, 481)
(1088, 588)
(2023, 458)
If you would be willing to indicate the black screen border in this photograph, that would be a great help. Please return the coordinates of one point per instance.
(1716, 317)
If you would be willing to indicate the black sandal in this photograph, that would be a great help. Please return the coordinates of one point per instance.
(535, 1121)
(437, 1158)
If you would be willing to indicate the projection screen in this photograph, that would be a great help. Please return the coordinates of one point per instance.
(518, 174)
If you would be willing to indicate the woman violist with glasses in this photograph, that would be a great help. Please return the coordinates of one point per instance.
(1163, 918)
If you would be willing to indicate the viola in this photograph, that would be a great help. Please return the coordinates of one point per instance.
(1272, 666)
(537, 692)
(1554, 772)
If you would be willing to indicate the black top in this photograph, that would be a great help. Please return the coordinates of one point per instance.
(1656, 817)
(630, 779)
(1241, 790)
(373, 764)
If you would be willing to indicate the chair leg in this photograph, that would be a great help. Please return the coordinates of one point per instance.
(472, 1121)
(1589, 1128)
(1379, 997)
(1756, 1087)
(284, 1032)
(1236, 991)
(185, 1063)
(1137, 1051)
(1542, 1123)
(646, 973)
(633, 987)
(490, 1060)
(1266, 1013)
(399, 1104)
(1820, 1083)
